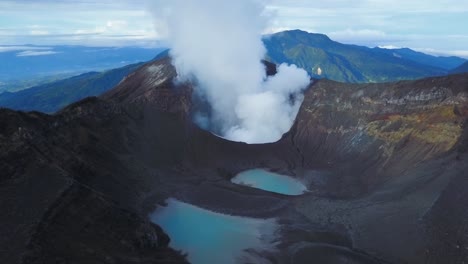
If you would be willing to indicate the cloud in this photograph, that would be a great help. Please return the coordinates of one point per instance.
(389, 47)
(39, 32)
(20, 48)
(116, 24)
(361, 33)
(29, 53)
(48, 22)
(459, 53)
(399, 20)
(366, 37)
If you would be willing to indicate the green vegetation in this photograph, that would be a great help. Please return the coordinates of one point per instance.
(325, 58)
(21, 84)
(53, 96)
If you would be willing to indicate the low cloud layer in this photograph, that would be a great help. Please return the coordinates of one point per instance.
(23, 48)
(29, 53)
(218, 45)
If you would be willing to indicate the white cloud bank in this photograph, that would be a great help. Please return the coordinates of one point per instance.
(26, 51)
(218, 44)
(29, 53)
(21, 48)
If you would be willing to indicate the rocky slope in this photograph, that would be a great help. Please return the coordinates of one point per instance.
(386, 165)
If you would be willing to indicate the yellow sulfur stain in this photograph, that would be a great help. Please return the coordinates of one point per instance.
(438, 126)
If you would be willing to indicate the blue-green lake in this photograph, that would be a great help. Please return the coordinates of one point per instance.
(270, 181)
(209, 237)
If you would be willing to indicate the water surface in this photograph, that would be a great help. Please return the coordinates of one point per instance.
(210, 237)
(270, 181)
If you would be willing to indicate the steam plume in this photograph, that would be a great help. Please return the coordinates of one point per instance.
(218, 44)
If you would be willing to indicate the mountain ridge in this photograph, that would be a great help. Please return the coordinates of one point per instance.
(350, 63)
(317, 53)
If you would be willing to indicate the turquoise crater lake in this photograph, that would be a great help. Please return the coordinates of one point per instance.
(209, 237)
(269, 181)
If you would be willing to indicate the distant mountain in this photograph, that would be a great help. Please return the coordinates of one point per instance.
(325, 58)
(460, 69)
(446, 63)
(51, 97)
(25, 66)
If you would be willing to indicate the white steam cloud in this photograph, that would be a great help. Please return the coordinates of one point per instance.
(219, 45)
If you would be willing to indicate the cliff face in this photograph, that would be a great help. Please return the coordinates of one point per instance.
(385, 163)
(380, 130)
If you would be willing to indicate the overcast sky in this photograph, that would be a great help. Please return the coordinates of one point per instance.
(438, 27)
